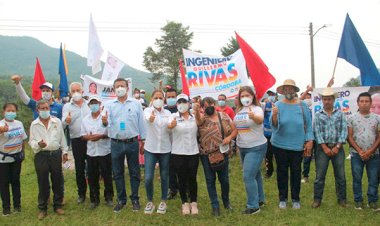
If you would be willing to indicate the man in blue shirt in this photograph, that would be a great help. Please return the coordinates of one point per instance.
(330, 132)
(268, 132)
(124, 118)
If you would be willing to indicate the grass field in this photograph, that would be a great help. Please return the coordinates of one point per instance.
(328, 214)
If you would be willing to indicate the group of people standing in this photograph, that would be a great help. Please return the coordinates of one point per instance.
(179, 134)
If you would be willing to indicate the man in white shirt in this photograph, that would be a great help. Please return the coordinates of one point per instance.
(48, 142)
(73, 113)
(98, 153)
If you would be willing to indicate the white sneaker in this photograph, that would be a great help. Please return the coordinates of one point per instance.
(194, 208)
(282, 205)
(186, 208)
(296, 205)
(162, 208)
(348, 157)
(149, 208)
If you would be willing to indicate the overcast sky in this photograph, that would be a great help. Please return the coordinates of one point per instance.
(278, 30)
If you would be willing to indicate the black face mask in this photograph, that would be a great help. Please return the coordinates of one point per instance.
(210, 110)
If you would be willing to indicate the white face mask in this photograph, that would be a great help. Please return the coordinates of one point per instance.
(182, 108)
(77, 96)
(46, 96)
(137, 95)
(121, 91)
(158, 103)
(246, 101)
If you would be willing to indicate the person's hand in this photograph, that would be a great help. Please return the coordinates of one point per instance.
(196, 107)
(152, 117)
(226, 141)
(4, 128)
(274, 110)
(65, 157)
(42, 144)
(327, 151)
(68, 118)
(173, 123)
(16, 79)
(308, 148)
(365, 155)
(105, 118)
(309, 88)
(96, 137)
(334, 151)
(250, 114)
(141, 147)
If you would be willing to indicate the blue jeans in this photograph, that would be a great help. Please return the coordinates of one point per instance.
(357, 166)
(120, 150)
(150, 162)
(223, 178)
(321, 166)
(252, 159)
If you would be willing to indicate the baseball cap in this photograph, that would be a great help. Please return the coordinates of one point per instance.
(94, 97)
(183, 96)
(142, 91)
(47, 85)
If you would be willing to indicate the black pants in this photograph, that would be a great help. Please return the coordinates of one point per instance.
(49, 163)
(173, 179)
(10, 175)
(79, 147)
(100, 165)
(269, 158)
(285, 160)
(187, 167)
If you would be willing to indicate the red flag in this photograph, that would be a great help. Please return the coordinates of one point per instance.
(185, 87)
(260, 76)
(38, 80)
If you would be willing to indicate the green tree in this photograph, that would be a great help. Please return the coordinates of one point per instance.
(353, 82)
(164, 61)
(231, 47)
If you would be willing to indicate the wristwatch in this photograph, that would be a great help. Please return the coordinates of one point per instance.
(338, 146)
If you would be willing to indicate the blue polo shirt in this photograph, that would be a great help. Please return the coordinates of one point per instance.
(55, 109)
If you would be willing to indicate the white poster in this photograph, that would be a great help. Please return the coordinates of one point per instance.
(104, 89)
(213, 75)
(112, 68)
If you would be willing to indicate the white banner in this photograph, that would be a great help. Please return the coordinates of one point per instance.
(112, 68)
(104, 89)
(214, 75)
(95, 50)
(347, 99)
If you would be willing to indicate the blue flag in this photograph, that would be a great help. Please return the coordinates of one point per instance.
(354, 51)
(63, 87)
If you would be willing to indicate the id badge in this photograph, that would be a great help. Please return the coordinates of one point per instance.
(122, 125)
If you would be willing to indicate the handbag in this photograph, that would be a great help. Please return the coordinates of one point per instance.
(218, 161)
(18, 157)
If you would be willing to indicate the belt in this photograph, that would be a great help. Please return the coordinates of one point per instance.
(128, 140)
(331, 145)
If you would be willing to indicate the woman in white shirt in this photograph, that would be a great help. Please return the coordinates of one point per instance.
(12, 136)
(157, 149)
(185, 151)
(252, 145)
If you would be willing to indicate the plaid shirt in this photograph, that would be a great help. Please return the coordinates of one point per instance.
(330, 129)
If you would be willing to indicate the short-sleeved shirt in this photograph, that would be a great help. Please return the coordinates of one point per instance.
(184, 135)
(365, 129)
(250, 134)
(11, 142)
(91, 125)
(228, 110)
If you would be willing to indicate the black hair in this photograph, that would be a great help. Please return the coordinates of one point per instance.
(364, 94)
(7, 104)
(120, 80)
(171, 90)
(208, 100)
(223, 95)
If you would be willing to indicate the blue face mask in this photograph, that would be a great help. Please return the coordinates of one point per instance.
(94, 107)
(171, 101)
(222, 103)
(272, 99)
(142, 95)
(44, 114)
(10, 116)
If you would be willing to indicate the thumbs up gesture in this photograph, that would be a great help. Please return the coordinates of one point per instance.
(274, 110)
(250, 113)
(42, 144)
(173, 123)
(152, 116)
(105, 118)
(68, 118)
(4, 128)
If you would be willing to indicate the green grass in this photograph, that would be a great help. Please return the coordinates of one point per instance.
(328, 214)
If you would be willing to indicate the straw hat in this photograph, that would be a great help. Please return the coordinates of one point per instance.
(287, 82)
(326, 92)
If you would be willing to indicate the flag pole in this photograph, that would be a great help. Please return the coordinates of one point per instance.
(331, 82)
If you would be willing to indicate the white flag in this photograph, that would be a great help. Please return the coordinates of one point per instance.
(112, 68)
(95, 50)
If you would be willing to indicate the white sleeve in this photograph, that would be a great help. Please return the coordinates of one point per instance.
(21, 92)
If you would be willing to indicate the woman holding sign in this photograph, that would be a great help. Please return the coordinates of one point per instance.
(253, 145)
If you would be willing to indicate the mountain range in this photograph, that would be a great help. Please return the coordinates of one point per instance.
(18, 56)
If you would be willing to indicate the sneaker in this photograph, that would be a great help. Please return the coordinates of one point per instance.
(42, 215)
(373, 205)
(93, 205)
(296, 205)
(186, 208)
(162, 208)
(261, 204)
(149, 208)
(194, 208)
(251, 211)
(118, 207)
(316, 204)
(172, 195)
(135, 205)
(6, 212)
(358, 205)
(17, 209)
(81, 199)
(228, 207)
(216, 212)
(305, 180)
(282, 205)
